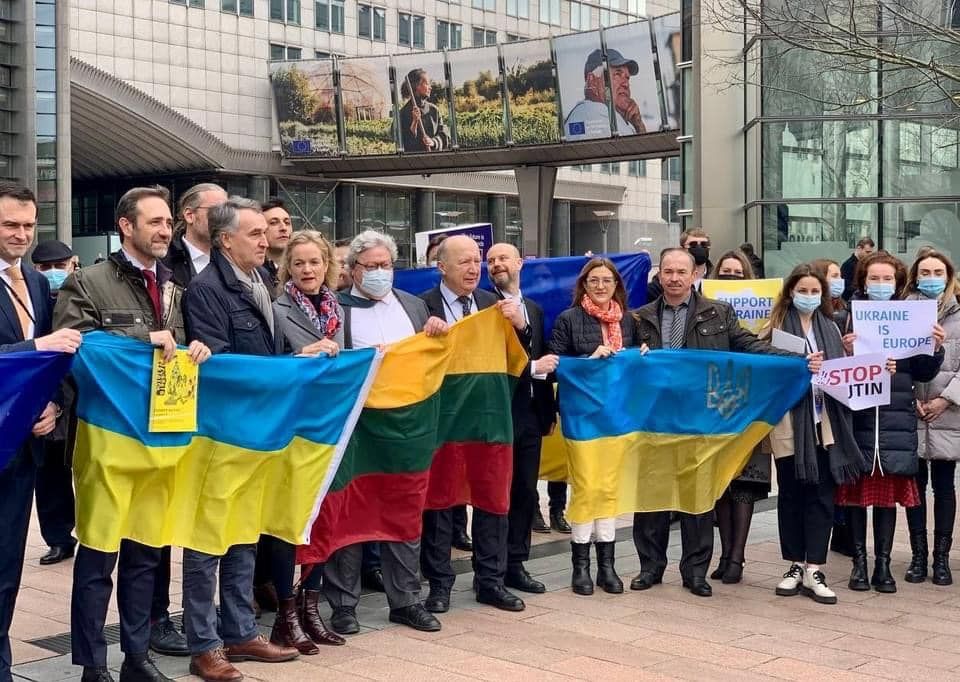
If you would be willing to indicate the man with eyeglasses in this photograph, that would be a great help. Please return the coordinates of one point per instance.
(697, 242)
(374, 315)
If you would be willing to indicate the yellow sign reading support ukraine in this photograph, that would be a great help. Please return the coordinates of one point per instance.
(173, 394)
(751, 299)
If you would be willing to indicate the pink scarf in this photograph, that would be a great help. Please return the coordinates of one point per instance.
(609, 321)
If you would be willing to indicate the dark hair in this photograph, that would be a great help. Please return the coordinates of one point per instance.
(785, 300)
(738, 256)
(129, 205)
(580, 288)
(272, 203)
(866, 241)
(15, 190)
(881, 258)
(413, 77)
(435, 242)
(342, 242)
(822, 266)
(747, 248)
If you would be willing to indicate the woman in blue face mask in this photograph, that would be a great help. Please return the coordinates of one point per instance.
(938, 424)
(887, 436)
(830, 271)
(814, 445)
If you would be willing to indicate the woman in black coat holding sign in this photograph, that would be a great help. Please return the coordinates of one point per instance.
(887, 436)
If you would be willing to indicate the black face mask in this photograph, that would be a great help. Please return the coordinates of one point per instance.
(729, 276)
(700, 254)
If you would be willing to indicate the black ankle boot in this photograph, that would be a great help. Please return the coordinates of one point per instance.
(884, 525)
(857, 522)
(581, 582)
(607, 578)
(721, 568)
(917, 570)
(941, 559)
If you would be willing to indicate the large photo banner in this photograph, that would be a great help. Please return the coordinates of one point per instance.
(367, 105)
(423, 102)
(477, 101)
(666, 33)
(531, 92)
(583, 90)
(633, 80)
(305, 98)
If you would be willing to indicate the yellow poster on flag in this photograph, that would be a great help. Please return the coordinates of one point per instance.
(173, 394)
(751, 299)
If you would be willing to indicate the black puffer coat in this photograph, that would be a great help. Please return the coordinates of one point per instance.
(576, 333)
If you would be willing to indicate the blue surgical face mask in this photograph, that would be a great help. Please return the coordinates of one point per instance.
(836, 287)
(880, 291)
(931, 287)
(56, 277)
(806, 303)
(377, 283)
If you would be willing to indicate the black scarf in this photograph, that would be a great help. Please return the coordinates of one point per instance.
(847, 462)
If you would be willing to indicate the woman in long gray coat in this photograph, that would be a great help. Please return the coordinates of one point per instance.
(938, 426)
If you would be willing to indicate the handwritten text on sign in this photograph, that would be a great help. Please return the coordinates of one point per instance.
(897, 329)
(858, 382)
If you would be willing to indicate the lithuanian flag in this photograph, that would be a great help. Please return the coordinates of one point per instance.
(436, 431)
(668, 430)
(270, 436)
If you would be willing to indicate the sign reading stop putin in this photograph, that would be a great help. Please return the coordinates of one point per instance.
(859, 382)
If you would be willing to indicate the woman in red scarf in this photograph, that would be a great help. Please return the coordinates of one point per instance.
(596, 325)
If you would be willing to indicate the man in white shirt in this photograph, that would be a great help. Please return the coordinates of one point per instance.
(189, 251)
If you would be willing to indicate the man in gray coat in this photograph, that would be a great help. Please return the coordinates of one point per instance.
(376, 314)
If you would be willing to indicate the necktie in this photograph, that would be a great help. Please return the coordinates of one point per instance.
(154, 292)
(20, 289)
(465, 305)
(676, 329)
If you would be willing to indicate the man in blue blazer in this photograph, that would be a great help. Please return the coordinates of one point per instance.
(25, 320)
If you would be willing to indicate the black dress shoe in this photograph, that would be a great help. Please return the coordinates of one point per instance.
(56, 555)
(698, 586)
(519, 579)
(372, 580)
(167, 640)
(539, 525)
(501, 599)
(462, 541)
(559, 523)
(645, 580)
(438, 601)
(415, 616)
(344, 621)
(140, 668)
(91, 674)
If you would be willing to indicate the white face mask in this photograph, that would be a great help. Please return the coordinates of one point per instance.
(377, 283)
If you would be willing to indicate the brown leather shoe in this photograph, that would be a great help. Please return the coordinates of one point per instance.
(213, 666)
(312, 622)
(287, 631)
(259, 649)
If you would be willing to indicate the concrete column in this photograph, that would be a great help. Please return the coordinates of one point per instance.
(346, 221)
(64, 166)
(258, 187)
(560, 229)
(535, 185)
(425, 209)
(497, 210)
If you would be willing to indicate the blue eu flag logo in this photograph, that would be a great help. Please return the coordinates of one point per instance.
(301, 147)
(578, 128)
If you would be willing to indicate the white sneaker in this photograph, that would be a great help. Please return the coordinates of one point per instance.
(815, 586)
(790, 585)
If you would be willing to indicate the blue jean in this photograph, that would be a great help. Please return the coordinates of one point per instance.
(236, 597)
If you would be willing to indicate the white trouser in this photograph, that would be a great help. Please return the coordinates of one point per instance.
(603, 530)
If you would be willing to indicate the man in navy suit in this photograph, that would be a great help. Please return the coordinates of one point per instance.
(25, 320)
(456, 297)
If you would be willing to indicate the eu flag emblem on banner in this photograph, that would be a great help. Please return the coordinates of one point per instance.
(577, 128)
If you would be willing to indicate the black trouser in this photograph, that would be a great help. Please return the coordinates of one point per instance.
(16, 499)
(489, 549)
(651, 535)
(459, 518)
(55, 496)
(370, 558)
(92, 587)
(160, 608)
(557, 492)
(523, 489)
(940, 474)
(804, 511)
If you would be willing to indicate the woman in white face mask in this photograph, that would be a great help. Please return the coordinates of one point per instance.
(938, 423)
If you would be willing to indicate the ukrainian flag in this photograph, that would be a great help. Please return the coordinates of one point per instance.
(668, 430)
(270, 435)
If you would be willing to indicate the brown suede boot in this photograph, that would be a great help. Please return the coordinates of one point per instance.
(312, 622)
(287, 630)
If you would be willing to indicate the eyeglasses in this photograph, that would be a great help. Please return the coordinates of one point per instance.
(370, 267)
(595, 282)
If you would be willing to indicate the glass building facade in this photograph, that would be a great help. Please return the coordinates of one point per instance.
(46, 117)
(838, 149)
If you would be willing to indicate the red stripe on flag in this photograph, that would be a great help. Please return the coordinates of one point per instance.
(471, 473)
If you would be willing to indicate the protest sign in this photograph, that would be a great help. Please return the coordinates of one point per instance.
(752, 299)
(858, 382)
(173, 394)
(897, 329)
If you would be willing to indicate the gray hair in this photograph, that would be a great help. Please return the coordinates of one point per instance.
(369, 239)
(225, 217)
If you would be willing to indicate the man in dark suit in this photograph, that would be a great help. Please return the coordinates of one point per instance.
(534, 415)
(26, 313)
(453, 299)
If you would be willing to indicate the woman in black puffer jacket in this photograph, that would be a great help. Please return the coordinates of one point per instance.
(887, 435)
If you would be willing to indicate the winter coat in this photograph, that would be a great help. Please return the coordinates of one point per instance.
(941, 438)
(577, 333)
